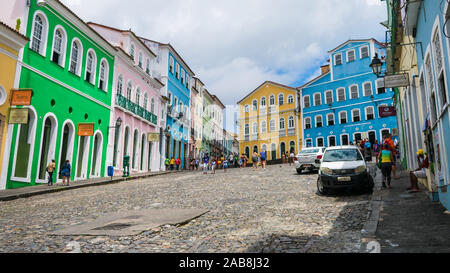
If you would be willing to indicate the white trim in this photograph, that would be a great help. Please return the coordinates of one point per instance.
(346, 116)
(346, 106)
(353, 116)
(44, 38)
(317, 141)
(360, 51)
(309, 100)
(105, 85)
(315, 121)
(334, 119)
(94, 67)
(348, 138)
(289, 118)
(347, 54)
(337, 94)
(325, 96)
(98, 163)
(335, 141)
(350, 91)
(314, 98)
(70, 144)
(334, 59)
(373, 110)
(338, 80)
(310, 123)
(364, 89)
(51, 146)
(80, 56)
(63, 45)
(85, 160)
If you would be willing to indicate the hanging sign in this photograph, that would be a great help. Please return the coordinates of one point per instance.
(388, 111)
(85, 129)
(400, 80)
(18, 116)
(21, 97)
(153, 137)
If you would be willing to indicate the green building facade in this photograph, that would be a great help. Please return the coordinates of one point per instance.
(69, 69)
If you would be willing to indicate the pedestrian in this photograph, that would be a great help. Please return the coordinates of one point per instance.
(386, 157)
(225, 165)
(50, 168)
(192, 165)
(240, 161)
(219, 162)
(263, 159)
(376, 149)
(177, 162)
(166, 162)
(391, 144)
(205, 163)
(65, 173)
(291, 158)
(213, 165)
(196, 164)
(255, 159)
(368, 151)
(283, 158)
(420, 172)
(172, 164)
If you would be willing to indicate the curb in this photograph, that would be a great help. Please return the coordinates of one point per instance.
(88, 183)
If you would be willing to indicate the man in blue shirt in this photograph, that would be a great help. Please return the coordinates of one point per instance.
(205, 163)
(263, 159)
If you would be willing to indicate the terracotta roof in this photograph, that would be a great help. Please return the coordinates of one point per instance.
(267, 82)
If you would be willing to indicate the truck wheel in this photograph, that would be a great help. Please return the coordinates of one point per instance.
(299, 171)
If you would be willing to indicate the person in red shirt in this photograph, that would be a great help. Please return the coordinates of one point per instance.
(177, 162)
(391, 144)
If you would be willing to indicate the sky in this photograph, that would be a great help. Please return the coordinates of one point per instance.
(233, 46)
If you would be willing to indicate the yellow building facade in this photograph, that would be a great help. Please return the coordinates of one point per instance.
(11, 42)
(270, 120)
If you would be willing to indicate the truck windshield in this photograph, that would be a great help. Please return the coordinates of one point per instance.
(342, 155)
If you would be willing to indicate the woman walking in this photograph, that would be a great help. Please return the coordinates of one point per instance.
(255, 160)
(65, 172)
(387, 159)
(50, 169)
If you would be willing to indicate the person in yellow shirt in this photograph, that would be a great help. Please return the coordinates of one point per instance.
(50, 169)
(172, 163)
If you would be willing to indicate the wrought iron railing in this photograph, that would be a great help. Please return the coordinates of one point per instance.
(136, 109)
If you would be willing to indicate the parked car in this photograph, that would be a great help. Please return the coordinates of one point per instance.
(307, 159)
(343, 167)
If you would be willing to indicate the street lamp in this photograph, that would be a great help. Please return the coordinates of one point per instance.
(376, 65)
(118, 123)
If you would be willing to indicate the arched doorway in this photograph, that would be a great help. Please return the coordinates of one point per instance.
(116, 145)
(135, 150)
(292, 147)
(47, 151)
(25, 146)
(247, 152)
(274, 151)
(255, 149)
(142, 151)
(97, 155)
(283, 148)
(67, 141)
(83, 151)
(125, 141)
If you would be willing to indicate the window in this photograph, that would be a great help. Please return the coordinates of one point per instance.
(119, 85)
(103, 75)
(175, 104)
(263, 102)
(354, 93)
(38, 40)
(177, 71)
(330, 119)
(341, 94)
(246, 108)
(370, 115)
(129, 89)
(282, 124)
(307, 123)
(320, 142)
(255, 105)
(187, 81)
(290, 99)
(331, 141)
(368, 89)
(144, 105)
(306, 102)
(75, 57)
(132, 51)
(272, 100)
(338, 59)
(364, 52)
(147, 66)
(438, 61)
(247, 129)
(138, 96)
(171, 65)
(356, 116)
(380, 86)
(182, 76)
(291, 122)
(59, 45)
(280, 99)
(272, 125)
(140, 62)
(319, 121)
(351, 55)
(343, 117)
(90, 67)
(255, 128)
(264, 126)
(328, 97)
(317, 99)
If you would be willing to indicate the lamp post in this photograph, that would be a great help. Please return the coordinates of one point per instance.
(376, 65)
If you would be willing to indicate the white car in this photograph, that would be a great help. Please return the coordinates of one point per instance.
(343, 167)
(308, 159)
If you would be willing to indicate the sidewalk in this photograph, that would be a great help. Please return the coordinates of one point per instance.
(6, 195)
(402, 222)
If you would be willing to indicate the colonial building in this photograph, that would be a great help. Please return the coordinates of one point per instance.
(69, 69)
(195, 142)
(176, 76)
(269, 120)
(136, 101)
(346, 102)
(11, 44)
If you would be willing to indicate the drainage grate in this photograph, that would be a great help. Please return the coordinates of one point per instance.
(113, 227)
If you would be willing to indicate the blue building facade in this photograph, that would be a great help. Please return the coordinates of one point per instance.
(429, 19)
(178, 112)
(343, 105)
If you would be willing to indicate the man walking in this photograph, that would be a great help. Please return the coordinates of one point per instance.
(50, 168)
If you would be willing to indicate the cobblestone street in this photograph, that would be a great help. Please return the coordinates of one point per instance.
(274, 210)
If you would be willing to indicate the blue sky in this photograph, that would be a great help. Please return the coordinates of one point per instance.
(235, 45)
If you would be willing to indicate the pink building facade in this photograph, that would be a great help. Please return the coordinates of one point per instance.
(136, 100)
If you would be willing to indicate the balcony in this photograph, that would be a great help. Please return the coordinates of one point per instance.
(247, 138)
(130, 106)
(255, 137)
(291, 132)
(282, 133)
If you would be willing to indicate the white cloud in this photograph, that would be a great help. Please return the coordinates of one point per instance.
(234, 45)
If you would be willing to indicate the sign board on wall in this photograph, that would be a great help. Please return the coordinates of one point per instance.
(18, 116)
(21, 97)
(387, 111)
(400, 80)
(153, 137)
(85, 129)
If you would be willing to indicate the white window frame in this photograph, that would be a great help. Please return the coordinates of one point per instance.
(357, 91)
(337, 94)
(373, 111)
(361, 53)
(272, 125)
(282, 121)
(246, 108)
(325, 96)
(44, 35)
(317, 141)
(359, 114)
(281, 99)
(62, 54)
(133, 51)
(348, 55)
(291, 118)
(79, 57)
(254, 128)
(334, 120)
(364, 89)
(177, 71)
(263, 105)
(290, 99)
(255, 105)
(321, 120)
(314, 99)
(263, 127)
(309, 101)
(346, 117)
(171, 65)
(94, 66)
(106, 76)
(335, 57)
(306, 122)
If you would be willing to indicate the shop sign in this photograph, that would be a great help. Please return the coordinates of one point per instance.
(153, 137)
(400, 80)
(21, 97)
(85, 129)
(388, 111)
(18, 116)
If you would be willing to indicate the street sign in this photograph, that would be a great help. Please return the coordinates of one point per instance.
(387, 111)
(18, 116)
(153, 137)
(85, 129)
(21, 97)
(400, 80)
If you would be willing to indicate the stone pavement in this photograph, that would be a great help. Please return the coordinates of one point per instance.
(406, 222)
(11, 194)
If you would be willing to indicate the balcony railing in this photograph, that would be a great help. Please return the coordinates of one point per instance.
(282, 133)
(136, 109)
(291, 132)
